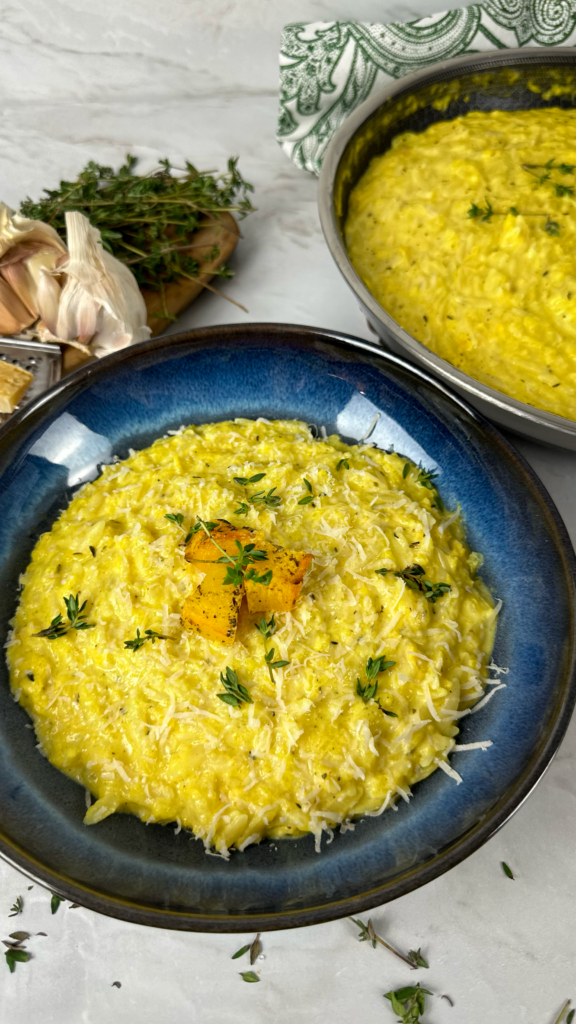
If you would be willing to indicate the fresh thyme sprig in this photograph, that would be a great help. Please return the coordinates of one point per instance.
(269, 499)
(367, 933)
(146, 220)
(17, 907)
(409, 1002)
(374, 666)
(561, 1016)
(235, 694)
(76, 619)
(414, 578)
(139, 641)
(237, 570)
(267, 629)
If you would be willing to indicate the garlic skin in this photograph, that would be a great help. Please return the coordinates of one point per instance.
(26, 248)
(99, 304)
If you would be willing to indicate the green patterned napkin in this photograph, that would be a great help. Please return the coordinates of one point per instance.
(328, 68)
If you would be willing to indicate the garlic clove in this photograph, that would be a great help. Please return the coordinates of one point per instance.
(14, 317)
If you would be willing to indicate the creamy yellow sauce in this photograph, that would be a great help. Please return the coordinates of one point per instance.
(145, 732)
(496, 297)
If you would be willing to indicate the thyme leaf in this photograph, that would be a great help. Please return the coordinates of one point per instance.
(255, 949)
(76, 619)
(240, 952)
(342, 462)
(415, 956)
(409, 1002)
(414, 578)
(14, 956)
(175, 517)
(249, 976)
(306, 500)
(147, 220)
(244, 480)
(507, 870)
(235, 694)
(17, 907)
(139, 641)
(406, 470)
(55, 902)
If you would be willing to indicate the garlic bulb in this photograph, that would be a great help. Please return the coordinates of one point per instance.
(99, 304)
(27, 247)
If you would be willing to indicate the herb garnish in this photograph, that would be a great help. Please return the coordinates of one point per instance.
(14, 956)
(267, 629)
(240, 952)
(268, 498)
(254, 948)
(237, 570)
(76, 616)
(244, 480)
(413, 577)
(249, 976)
(175, 517)
(17, 907)
(308, 497)
(507, 870)
(55, 902)
(478, 212)
(236, 694)
(367, 933)
(139, 641)
(417, 959)
(343, 462)
(146, 219)
(425, 477)
(406, 470)
(409, 1002)
(368, 692)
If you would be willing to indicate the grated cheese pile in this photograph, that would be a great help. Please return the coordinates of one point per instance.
(145, 732)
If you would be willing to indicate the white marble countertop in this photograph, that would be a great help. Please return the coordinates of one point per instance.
(85, 79)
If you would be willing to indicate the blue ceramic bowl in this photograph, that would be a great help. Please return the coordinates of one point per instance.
(146, 873)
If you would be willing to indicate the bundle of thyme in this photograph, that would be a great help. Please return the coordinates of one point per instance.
(146, 220)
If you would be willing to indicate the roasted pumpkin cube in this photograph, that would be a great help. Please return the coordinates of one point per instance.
(288, 570)
(212, 609)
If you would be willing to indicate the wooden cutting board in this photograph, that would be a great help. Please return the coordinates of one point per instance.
(224, 233)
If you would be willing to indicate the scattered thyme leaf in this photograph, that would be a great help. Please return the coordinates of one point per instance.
(374, 666)
(240, 952)
(391, 714)
(507, 870)
(409, 1002)
(307, 485)
(175, 517)
(306, 500)
(244, 480)
(249, 976)
(406, 470)
(55, 902)
(417, 959)
(14, 956)
(343, 462)
(139, 641)
(367, 692)
(414, 578)
(570, 1017)
(255, 949)
(235, 694)
(17, 907)
(552, 228)
(20, 936)
(92, 551)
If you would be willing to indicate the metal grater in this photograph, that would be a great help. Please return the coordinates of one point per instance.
(41, 359)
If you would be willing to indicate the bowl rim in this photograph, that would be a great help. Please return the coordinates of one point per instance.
(16, 429)
(558, 426)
